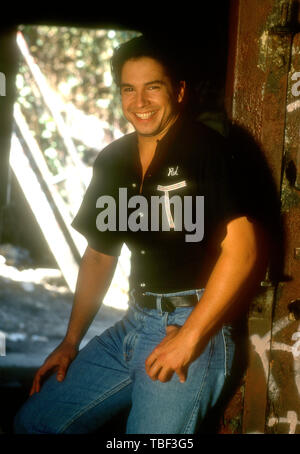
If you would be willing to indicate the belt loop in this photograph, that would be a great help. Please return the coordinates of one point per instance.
(199, 293)
(158, 304)
(131, 296)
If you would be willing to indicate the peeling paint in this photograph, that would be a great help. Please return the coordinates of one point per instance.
(291, 419)
(289, 199)
(293, 106)
(262, 347)
(263, 50)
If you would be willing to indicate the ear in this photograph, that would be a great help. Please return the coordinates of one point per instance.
(181, 91)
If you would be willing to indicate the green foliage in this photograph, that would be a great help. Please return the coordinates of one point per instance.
(76, 61)
(76, 64)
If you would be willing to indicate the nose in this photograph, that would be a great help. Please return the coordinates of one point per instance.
(141, 99)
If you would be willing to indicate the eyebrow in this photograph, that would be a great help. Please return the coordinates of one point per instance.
(152, 82)
(157, 81)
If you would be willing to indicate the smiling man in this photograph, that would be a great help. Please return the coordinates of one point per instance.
(148, 104)
(171, 356)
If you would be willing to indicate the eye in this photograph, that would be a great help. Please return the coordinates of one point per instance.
(127, 89)
(154, 87)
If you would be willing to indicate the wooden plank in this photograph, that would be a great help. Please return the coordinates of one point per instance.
(78, 242)
(284, 389)
(49, 99)
(255, 100)
(43, 213)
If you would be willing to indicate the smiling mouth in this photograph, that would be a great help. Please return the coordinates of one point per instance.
(145, 116)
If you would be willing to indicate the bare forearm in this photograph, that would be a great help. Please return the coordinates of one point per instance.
(220, 296)
(181, 346)
(94, 277)
(237, 271)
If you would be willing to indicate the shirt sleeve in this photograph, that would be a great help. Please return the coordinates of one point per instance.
(226, 198)
(240, 184)
(108, 242)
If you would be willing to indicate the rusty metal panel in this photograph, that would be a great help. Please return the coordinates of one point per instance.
(257, 86)
(231, 422)
(284, 380)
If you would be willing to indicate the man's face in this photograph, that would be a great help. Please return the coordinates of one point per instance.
(148, 98)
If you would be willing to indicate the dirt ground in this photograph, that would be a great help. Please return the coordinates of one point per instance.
(34, 317)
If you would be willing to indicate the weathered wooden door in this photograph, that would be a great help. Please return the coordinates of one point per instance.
(263, 96)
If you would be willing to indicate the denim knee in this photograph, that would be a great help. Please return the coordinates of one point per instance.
(21, 423)
(27, 420)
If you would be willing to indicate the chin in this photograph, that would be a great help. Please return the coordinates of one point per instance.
(153, 131)
(144, 130)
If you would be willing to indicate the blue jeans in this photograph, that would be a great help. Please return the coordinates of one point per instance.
(108, 375)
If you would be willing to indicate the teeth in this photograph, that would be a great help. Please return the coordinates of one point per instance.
(144, 116)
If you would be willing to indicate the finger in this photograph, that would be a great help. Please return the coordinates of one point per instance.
(38, 382)
(61, 373)
(62, 370)
(32, 390)
(151, 360)
(165, 375)
(182, 375)
(154, 370)
(35, 383)
(41, 373)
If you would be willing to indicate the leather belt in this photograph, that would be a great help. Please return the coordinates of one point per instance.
(168, 303)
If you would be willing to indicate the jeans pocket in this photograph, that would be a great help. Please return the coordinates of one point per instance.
(179, 316)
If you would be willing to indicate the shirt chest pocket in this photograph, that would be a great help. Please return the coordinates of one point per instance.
(172, 194)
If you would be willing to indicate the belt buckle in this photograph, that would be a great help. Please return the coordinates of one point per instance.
(169, 307)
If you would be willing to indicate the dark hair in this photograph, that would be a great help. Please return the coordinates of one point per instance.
(144, 46)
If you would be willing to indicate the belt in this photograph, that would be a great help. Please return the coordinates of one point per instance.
(168, 303)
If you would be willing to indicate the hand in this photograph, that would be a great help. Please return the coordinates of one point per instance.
(171, 355)
(59, 360)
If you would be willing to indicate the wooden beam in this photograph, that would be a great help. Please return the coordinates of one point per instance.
(46, 178)
(42, 211)
(49, 99)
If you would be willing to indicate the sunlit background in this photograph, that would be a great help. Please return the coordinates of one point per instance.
(67, 110)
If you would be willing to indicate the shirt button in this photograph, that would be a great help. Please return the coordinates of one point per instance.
(134, 185)
(142, 284)
(143, 252)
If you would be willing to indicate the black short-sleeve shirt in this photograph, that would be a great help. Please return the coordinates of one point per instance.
(192, 162)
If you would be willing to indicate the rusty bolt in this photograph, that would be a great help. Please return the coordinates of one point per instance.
(297, 253)
(294, 310)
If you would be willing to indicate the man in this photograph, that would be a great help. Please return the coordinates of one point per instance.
(171, 355)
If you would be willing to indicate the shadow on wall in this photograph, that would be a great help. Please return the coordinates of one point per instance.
(257, 189)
